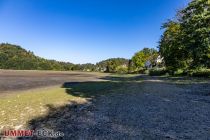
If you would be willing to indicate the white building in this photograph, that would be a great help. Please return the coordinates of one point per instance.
(159, 60)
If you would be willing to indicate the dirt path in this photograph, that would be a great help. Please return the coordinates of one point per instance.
(146, 109)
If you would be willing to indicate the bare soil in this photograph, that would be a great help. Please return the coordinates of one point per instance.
(14, 80)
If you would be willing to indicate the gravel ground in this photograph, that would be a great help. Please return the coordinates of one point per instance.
(148, 109)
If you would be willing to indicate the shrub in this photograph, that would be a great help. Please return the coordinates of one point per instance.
(179, 72)
(121, 70)
(141, 71)
(200, 73)
(146, 72)
(157, 72)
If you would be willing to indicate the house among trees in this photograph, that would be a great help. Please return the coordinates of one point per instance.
(148, 64)
(159, 60)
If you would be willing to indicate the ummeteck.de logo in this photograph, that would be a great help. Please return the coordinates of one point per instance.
(31, 133)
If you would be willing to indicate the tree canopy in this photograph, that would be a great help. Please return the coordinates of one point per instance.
(147, 54)
(112, 65)
(185, 42)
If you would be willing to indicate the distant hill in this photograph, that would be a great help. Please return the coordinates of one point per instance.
(15, 57)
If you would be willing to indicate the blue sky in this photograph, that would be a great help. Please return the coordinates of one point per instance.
(82, 31)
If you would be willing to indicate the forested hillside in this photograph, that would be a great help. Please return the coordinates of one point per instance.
(15, 57)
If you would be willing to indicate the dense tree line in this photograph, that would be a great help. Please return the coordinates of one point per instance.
(15, 57)
(84, 67)
(185, 43)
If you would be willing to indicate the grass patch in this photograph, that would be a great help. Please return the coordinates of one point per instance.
(17, 109)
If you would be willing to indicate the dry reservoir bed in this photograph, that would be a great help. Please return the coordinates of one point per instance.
(104, 106)
(14, 80)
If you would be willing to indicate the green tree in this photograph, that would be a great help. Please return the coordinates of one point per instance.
(195, 22)
(172, 48)
(139, 59)
(112, 65)
(185, 42)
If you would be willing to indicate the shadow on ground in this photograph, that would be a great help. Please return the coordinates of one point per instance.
(72, 119)
(91, 89)
(78, 120)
